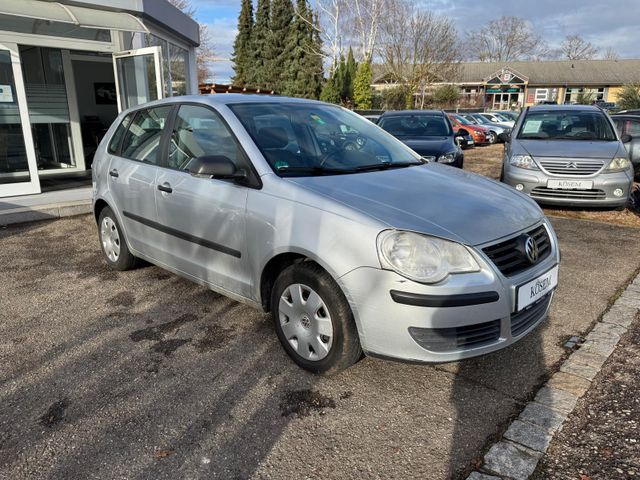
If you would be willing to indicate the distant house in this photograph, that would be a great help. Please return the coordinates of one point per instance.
(506, 85)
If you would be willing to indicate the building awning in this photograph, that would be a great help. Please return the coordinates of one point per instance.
(80, 16)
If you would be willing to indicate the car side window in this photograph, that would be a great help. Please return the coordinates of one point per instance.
(618, 124)
(142, 140)
(116, 140)
(199, 131)
(632, 128)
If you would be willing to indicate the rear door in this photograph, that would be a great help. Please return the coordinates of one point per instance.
(630, 126)
(132, 177)
(203, 219)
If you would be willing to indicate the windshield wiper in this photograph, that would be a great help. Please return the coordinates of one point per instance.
(316, 171)
(386, 165)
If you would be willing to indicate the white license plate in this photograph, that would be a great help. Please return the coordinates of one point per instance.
(536, 288)
(570, 184)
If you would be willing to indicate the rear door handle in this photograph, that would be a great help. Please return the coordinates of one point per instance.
(114, 173)
(165, 187)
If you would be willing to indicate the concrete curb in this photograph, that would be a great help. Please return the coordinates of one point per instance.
(516, 455)
(44, 212)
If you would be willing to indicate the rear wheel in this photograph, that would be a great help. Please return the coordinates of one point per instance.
(313, 319)
(114, 245)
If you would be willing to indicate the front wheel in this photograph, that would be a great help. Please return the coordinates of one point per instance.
(492, 137)
(313, 319)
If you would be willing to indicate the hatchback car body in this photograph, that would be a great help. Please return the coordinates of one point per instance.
(463, 126)
(568, 155)
(306, 210)
(427, 132)
(628, 127)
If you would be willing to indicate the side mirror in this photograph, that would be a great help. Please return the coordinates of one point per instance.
(215, 166)
(505, 137)
(626, 138)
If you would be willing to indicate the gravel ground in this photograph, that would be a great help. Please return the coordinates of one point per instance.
(487, 161)
(142, 374)
(601, 438)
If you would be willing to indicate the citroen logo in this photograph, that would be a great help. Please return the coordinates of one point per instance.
(572, 165)
(531, 249)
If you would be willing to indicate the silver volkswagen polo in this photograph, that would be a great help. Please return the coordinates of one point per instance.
(308, 211)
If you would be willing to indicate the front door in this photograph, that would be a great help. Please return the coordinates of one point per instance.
(132, 177)
(203, 218)
(18, 168)
(138, 76)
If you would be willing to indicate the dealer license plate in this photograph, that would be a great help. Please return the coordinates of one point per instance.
(536, 288)
(570, 184)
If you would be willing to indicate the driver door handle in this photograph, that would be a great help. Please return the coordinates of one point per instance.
(165, 187)
(114, 173)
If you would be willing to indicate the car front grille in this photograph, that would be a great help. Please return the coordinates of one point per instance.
(569, 167)
(456, 338)
(510, 260)
(544, 192)
(523, 320)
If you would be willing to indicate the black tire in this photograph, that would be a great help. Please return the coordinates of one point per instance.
(493, 138)
(345, 348)
(124, 260)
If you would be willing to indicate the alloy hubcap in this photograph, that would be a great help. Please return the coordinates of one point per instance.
(110, 239)
(305, 322)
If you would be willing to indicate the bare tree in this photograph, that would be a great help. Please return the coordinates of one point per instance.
(506, 39)
(610, 54)
(205, 51)
(329, 20)
(362, 20)
(418, 48)
(574, 47)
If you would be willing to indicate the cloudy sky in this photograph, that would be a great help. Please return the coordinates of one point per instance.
(604, 23)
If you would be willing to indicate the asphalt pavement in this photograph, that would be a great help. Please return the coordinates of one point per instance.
(145, 375)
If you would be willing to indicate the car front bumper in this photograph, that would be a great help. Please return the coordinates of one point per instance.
(534, 184)
(470, 315)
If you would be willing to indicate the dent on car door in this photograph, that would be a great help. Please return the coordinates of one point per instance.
(132, 176)
(203, 219)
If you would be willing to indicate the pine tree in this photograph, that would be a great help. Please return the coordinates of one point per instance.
(362, 93)
(259, 76)
(302, 68)
(277, 55)
(331, 91)
(349, 75)
(242, 54)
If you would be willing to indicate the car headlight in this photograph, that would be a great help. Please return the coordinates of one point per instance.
(447, 158)
(618, 164)
(422, 258)
(523, 161)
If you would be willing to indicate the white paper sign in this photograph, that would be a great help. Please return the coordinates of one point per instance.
(532, 126)
(6, 95)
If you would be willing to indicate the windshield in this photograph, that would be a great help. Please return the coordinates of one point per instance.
(462, 120)
(567, 125)
(480, 119)
(305, 139)
(416, 125)
(501, 117)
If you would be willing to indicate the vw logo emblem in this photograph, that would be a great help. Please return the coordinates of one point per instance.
(531, 249)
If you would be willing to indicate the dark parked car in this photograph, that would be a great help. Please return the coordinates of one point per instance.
(630, 125)
(428, 132)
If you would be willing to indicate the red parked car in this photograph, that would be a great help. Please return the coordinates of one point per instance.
(477, 132)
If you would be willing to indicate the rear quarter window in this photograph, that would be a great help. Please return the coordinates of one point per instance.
(116, 140)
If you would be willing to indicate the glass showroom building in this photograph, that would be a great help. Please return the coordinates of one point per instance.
(68, 67)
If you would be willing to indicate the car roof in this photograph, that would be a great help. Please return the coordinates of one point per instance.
(411, 112)
(577, 108)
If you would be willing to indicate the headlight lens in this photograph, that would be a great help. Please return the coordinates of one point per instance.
(523, 161)
(447, 158)
(421, 258)
(618, 164)
(429, 158)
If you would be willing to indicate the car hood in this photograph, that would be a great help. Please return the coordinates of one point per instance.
(570, 148)
(429, 145)
(432, 199)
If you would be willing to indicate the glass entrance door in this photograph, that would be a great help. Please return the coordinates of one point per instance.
(18, 169)
(138, 76)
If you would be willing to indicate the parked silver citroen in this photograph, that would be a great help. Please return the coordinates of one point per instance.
(568, 155)
(306, 210)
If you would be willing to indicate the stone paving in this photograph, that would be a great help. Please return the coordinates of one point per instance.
(516, 456)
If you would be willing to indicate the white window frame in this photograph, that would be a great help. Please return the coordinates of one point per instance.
(539, 94)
